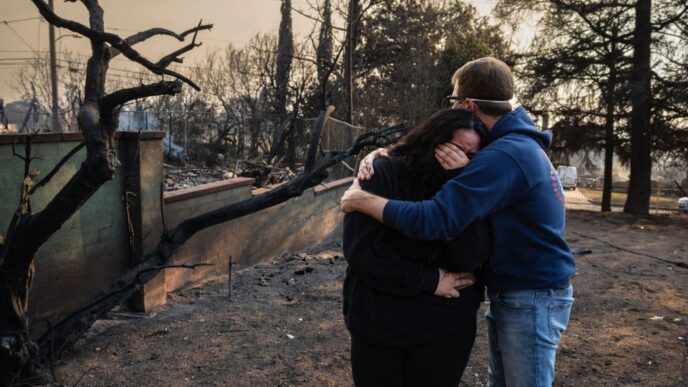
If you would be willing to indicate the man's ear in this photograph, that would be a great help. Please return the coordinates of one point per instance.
(472, 106)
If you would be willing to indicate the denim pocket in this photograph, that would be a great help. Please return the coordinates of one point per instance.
(516, 300)
(558, 315)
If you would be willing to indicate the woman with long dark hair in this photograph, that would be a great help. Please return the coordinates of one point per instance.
(408, 324)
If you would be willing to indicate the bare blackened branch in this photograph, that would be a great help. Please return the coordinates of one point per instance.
(114, 40)
(120, 97)
(282, 131)
(279, 135)
(57, 167)
(29, 175)
(147, 34)
(315, 138)
(73, 26)
(174, 57)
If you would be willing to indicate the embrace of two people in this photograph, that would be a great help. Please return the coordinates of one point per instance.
(466, 200)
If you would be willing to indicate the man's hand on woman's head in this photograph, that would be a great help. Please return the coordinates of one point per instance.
(450, 156)
(365, 168)
(450, 283)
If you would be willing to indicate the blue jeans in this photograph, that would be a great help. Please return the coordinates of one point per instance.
(524, 328)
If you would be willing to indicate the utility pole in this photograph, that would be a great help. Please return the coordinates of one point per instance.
(53, 74)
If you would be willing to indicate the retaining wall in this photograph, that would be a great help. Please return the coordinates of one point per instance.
(95, 245)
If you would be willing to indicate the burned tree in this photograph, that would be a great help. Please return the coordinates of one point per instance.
(98, 121)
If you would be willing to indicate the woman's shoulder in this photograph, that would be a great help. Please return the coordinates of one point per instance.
(389, 167)
(384, 179)
(384, 164)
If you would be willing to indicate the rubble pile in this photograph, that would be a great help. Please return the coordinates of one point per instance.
(178, 177)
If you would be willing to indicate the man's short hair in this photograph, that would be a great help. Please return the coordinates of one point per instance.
(487, 79)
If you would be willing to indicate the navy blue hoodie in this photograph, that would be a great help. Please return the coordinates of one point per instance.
(513, 182)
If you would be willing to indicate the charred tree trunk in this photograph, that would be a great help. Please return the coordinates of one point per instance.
(608, 159)
(98, 120)
(639, 188)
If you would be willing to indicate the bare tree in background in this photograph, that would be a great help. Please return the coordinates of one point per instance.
(35, 75)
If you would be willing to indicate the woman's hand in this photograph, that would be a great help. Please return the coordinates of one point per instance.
(365, 168)
(450, 156)
(450, 283)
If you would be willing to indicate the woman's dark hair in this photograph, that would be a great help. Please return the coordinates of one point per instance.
(417, 147)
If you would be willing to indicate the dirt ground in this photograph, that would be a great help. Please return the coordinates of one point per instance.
(284, 326)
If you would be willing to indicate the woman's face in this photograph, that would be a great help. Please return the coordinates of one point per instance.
(467, 140)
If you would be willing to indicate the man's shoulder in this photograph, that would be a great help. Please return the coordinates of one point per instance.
(514, 144)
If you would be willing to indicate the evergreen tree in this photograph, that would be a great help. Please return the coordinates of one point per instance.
(324, 54)
(409, 51)
(285, 54)
(590, 66)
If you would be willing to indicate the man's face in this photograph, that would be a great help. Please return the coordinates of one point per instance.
(467, 140)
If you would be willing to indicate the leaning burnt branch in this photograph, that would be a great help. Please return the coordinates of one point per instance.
(71, 328)
(293, 188)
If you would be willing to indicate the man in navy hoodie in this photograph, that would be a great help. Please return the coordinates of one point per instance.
(512, 182)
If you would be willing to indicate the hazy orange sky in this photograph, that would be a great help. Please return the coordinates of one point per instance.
(235, 22)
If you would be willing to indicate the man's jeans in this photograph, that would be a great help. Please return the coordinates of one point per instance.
(524, 329)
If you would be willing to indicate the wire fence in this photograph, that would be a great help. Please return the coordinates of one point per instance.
(663, 200)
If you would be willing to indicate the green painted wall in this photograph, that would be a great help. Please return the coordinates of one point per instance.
(88, 251)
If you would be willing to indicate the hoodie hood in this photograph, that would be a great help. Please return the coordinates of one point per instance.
(518, 122)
